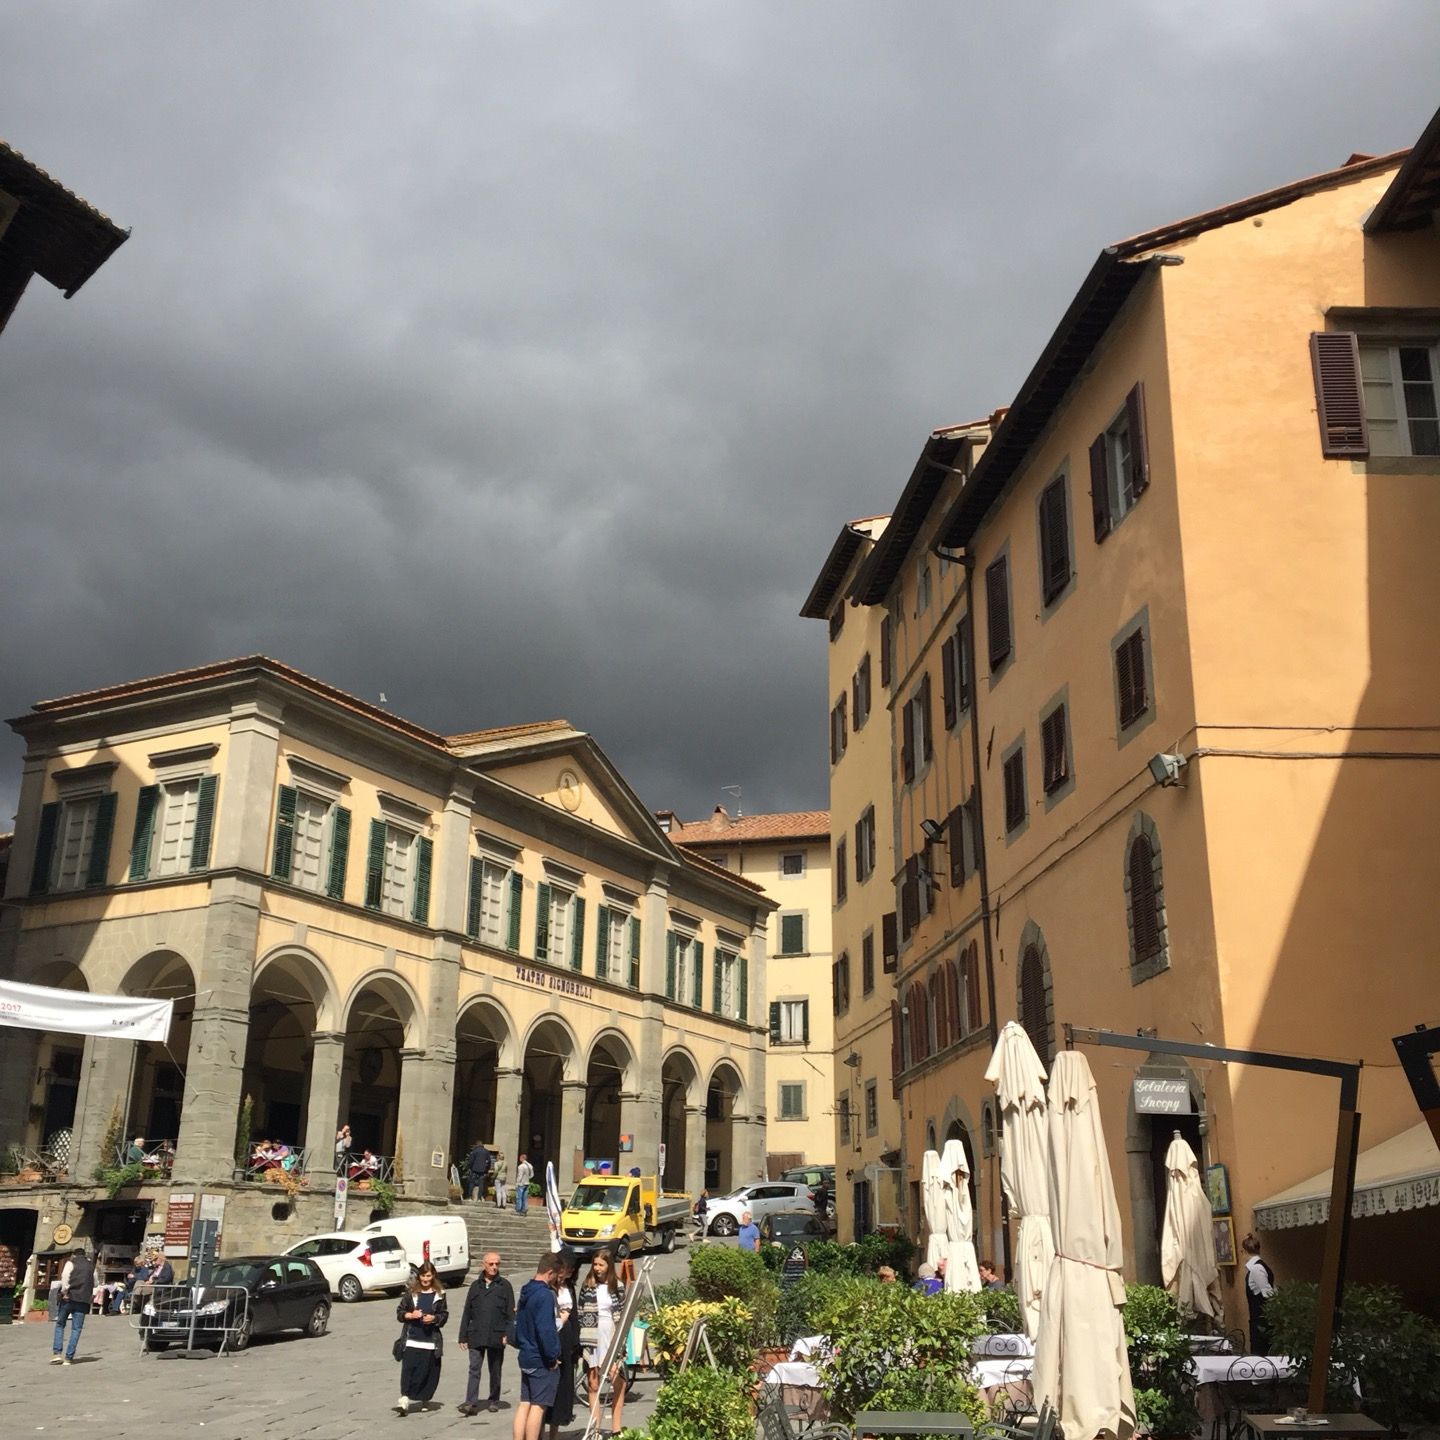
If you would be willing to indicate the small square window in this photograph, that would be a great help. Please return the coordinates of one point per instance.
(792, 1101)
(793, 863)
(792, 933)
(1016, 804)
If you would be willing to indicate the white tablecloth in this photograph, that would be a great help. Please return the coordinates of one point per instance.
(1209, 1345)
(806, 1346)
(795, 1372)
(999, 1346)
(990, 1373)
(1212, 1369)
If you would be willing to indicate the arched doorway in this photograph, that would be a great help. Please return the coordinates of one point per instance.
(157, 1087)
(723, 1168)
(678, 1079)
(605, 1078)
(549, 1055)
(376, 1026)
(481, 1038)
(285, 1002)
(1147, 1138)
(58, 1062)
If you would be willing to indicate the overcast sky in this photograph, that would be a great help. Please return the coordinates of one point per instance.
(523, 360)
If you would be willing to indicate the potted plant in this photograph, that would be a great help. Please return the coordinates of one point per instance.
(39, 1310)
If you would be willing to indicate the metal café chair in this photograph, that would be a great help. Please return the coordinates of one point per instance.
(775, 1425)
(1251, 1387)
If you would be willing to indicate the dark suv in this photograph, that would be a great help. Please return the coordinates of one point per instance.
(246, 1296)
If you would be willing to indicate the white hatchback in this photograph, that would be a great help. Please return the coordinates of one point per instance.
(354, 1264)
(722, 1216)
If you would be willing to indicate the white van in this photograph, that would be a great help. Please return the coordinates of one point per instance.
(440, 1239)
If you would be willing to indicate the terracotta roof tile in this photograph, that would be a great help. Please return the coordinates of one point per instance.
(721, 829)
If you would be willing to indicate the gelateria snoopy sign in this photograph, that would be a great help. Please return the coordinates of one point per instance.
(1162, 1095)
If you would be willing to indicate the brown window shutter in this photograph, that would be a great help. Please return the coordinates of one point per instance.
(841, 878)
(947, 681)
(1015, 791)
(889, 942)
(895, 1047)
(907, 742)
(910, 897)
(1139, 445)
(1054, 540)
(997, 604)
(834, 734)
(861, 868)
(927, 738)
(1052, 737)
(965, 655)
(1032, 1003)
(855, 711)
(972, 984)
(1339, 396)
(1144, 917)
(1130, 673)
(885, 652)
(956, 838)
(844, 734)
(1099, 488)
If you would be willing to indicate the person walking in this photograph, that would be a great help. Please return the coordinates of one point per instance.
(749, 1232)
(486, 1326)
(567, 1324)
(702, 1207)
(602, 1305)
(524, 1174)
(501, 1187)
(537, 1345)
(478, 1163)
(423, 1312)
(77, 1287)
(342, 1149)
(1259, 1287)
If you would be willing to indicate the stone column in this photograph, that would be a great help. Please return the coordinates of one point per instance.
(27, 823)
(322, 1115)
(452, 870)
(695, 1148)
(427, 1080)
(572, 1135)
(655, 912)
(507, 1118)
(1142, 1206)
(19, 1063)
(107, 1069)
(247, 792)
(640, 1117)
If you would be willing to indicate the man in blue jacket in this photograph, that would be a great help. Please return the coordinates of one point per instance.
(537, 1342)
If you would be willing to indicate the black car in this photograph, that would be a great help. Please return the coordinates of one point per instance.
(788, 1227)
(246, 1295)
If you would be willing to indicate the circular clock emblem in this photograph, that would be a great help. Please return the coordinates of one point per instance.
(570, 790)
(63, 1234)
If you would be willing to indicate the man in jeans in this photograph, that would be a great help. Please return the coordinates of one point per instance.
(485, 1330)
(77, 1286)
(479, 1166)
(524, 1174)
(537, 1341)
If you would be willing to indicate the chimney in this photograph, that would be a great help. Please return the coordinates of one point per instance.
(665, 819)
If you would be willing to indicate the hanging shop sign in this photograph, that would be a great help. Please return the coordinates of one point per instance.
(1162, 1095)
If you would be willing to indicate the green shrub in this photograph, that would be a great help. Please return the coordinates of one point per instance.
(703, 1404)
(932, 1390)
(728, 1323)
(672, 1292)
(116, 1178)
(1159, 1352)
(1382, 1346)
(809, 1303)
(1002, 1311)
(242, 1133)
(382, 1192)
(717, 1271)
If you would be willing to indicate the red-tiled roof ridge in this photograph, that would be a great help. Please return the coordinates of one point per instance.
(787, 825)
(502, 732)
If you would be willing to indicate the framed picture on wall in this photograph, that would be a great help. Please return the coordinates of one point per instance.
(1217, 1188)
(1224, 1240)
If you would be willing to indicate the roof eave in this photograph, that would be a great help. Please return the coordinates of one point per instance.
(832, 572)
(1416, 181)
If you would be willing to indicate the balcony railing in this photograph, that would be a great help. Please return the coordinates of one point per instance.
(365, 1166)
(156, 1155)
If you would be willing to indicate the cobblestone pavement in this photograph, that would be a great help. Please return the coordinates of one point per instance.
(288, 1387)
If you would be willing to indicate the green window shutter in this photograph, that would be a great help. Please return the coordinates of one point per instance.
(542, 921)
(717, 999)
(375, 865)
(282, 859)
(339, 852)
(204, 823)
(424, 860)
(634, 952)
(774, 1022)
(45, 847)
(744, 986)
(698, 997)
(602, 939)
(804, 1022)
(517, 893)
(100, 845)
(143, 838)
(577, 940)
(472, 913)
(672, 943)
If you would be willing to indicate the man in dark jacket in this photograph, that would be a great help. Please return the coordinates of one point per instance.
(478, 1164)
(486, 1327)
(537, 1342)
(77, 1288)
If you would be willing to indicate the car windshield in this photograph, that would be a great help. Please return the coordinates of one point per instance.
(305, 1247)
(789, 1224)
(598, 1197)
(235, 1275)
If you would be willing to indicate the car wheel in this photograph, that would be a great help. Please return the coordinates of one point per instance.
(319, 1320)
(350, 1289)
(622, 1248)
(667, 1246)
(243, 1333)
(725, 1225)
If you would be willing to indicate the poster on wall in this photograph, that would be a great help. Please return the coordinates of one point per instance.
(1217, 1189)
(179, 1217)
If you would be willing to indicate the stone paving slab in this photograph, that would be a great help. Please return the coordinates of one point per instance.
(287, 1387)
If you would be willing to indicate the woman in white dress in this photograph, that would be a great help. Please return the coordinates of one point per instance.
(602, 1303)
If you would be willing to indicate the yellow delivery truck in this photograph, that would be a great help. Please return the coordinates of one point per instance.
(622, 1213)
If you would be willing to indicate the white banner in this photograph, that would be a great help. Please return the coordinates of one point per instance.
(77, 1012)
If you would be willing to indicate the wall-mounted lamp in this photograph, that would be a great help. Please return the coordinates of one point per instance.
(852, 1059)
(934, 831)
(1168, 769)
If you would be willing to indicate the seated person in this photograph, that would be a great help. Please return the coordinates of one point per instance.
(366, 1166)
(135, 1155)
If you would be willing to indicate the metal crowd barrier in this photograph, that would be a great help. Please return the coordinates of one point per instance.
(190, 1315)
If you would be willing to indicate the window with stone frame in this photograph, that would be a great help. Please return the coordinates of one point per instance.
(1145, 901)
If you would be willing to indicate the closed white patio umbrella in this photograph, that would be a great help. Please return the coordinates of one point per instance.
(1019, 1080)
(1187, 1243)
(932, 1206)
(961, 1271)
(1081, 1365)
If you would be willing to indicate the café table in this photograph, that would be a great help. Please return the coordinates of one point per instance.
(911, 1422)
(1279, 1427)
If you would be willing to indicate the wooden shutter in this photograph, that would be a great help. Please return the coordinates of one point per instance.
(1130, 677)
(602, 942)
(1015, 791)
(1099, 488)
(339, 852)
(717, 999)
(697, 983)
(472, 909)
(424, 862)
(841, 865)
(282, 857)
(907, 741)
(895, 1045)
(45, 846)
(1032, 1003)
(577, 940)
(744, 983)
(835, 988)
(672, 941)
(844, 736)
(865, 690)
(144, 833)
(885, 652)
(947, 681)
(1339, 394)
(542, 921)
(804, 1022)
(634, 952)
(375, 865)
(927, 739)
(1052, 744)
(100, 844)
(856, 714)
(834, 734)
(957, 846)
(1139, 443)
(517, 896)
(965, 662)
(997, 604)
(774, 1022)
(972, 985)
(1054, 540)
(204, 823)
(889, 943)
(910, 896)
(1144, 916)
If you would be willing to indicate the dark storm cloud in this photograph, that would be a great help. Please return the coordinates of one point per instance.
(523, 360)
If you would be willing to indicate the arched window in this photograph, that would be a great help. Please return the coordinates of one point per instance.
(1035, 1002)
(1145, 900)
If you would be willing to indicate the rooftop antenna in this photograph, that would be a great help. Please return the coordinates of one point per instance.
(735, 791)
(384, 698)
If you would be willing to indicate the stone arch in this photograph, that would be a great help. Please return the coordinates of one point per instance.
(610, 1069)
(679, 1095)
(725, 1112)
(47, 1068)
(496, 1019)
(551, 1080)
(1035, 992)
(1147, 1138)
(959, 1124)
(157, 1088)
(485, 1045)
(399, 993)
(727, 1072)
(619, 1046)
(571, 1049)
(311, 972)
(686, 1069)
(292, 1001)
(383, 1018)
(1146, 924)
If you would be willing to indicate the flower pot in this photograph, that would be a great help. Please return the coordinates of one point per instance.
(766, 1360)
(40, 1317)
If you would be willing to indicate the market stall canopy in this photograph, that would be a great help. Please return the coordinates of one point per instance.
(1401, 1173)
(78, 1012)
